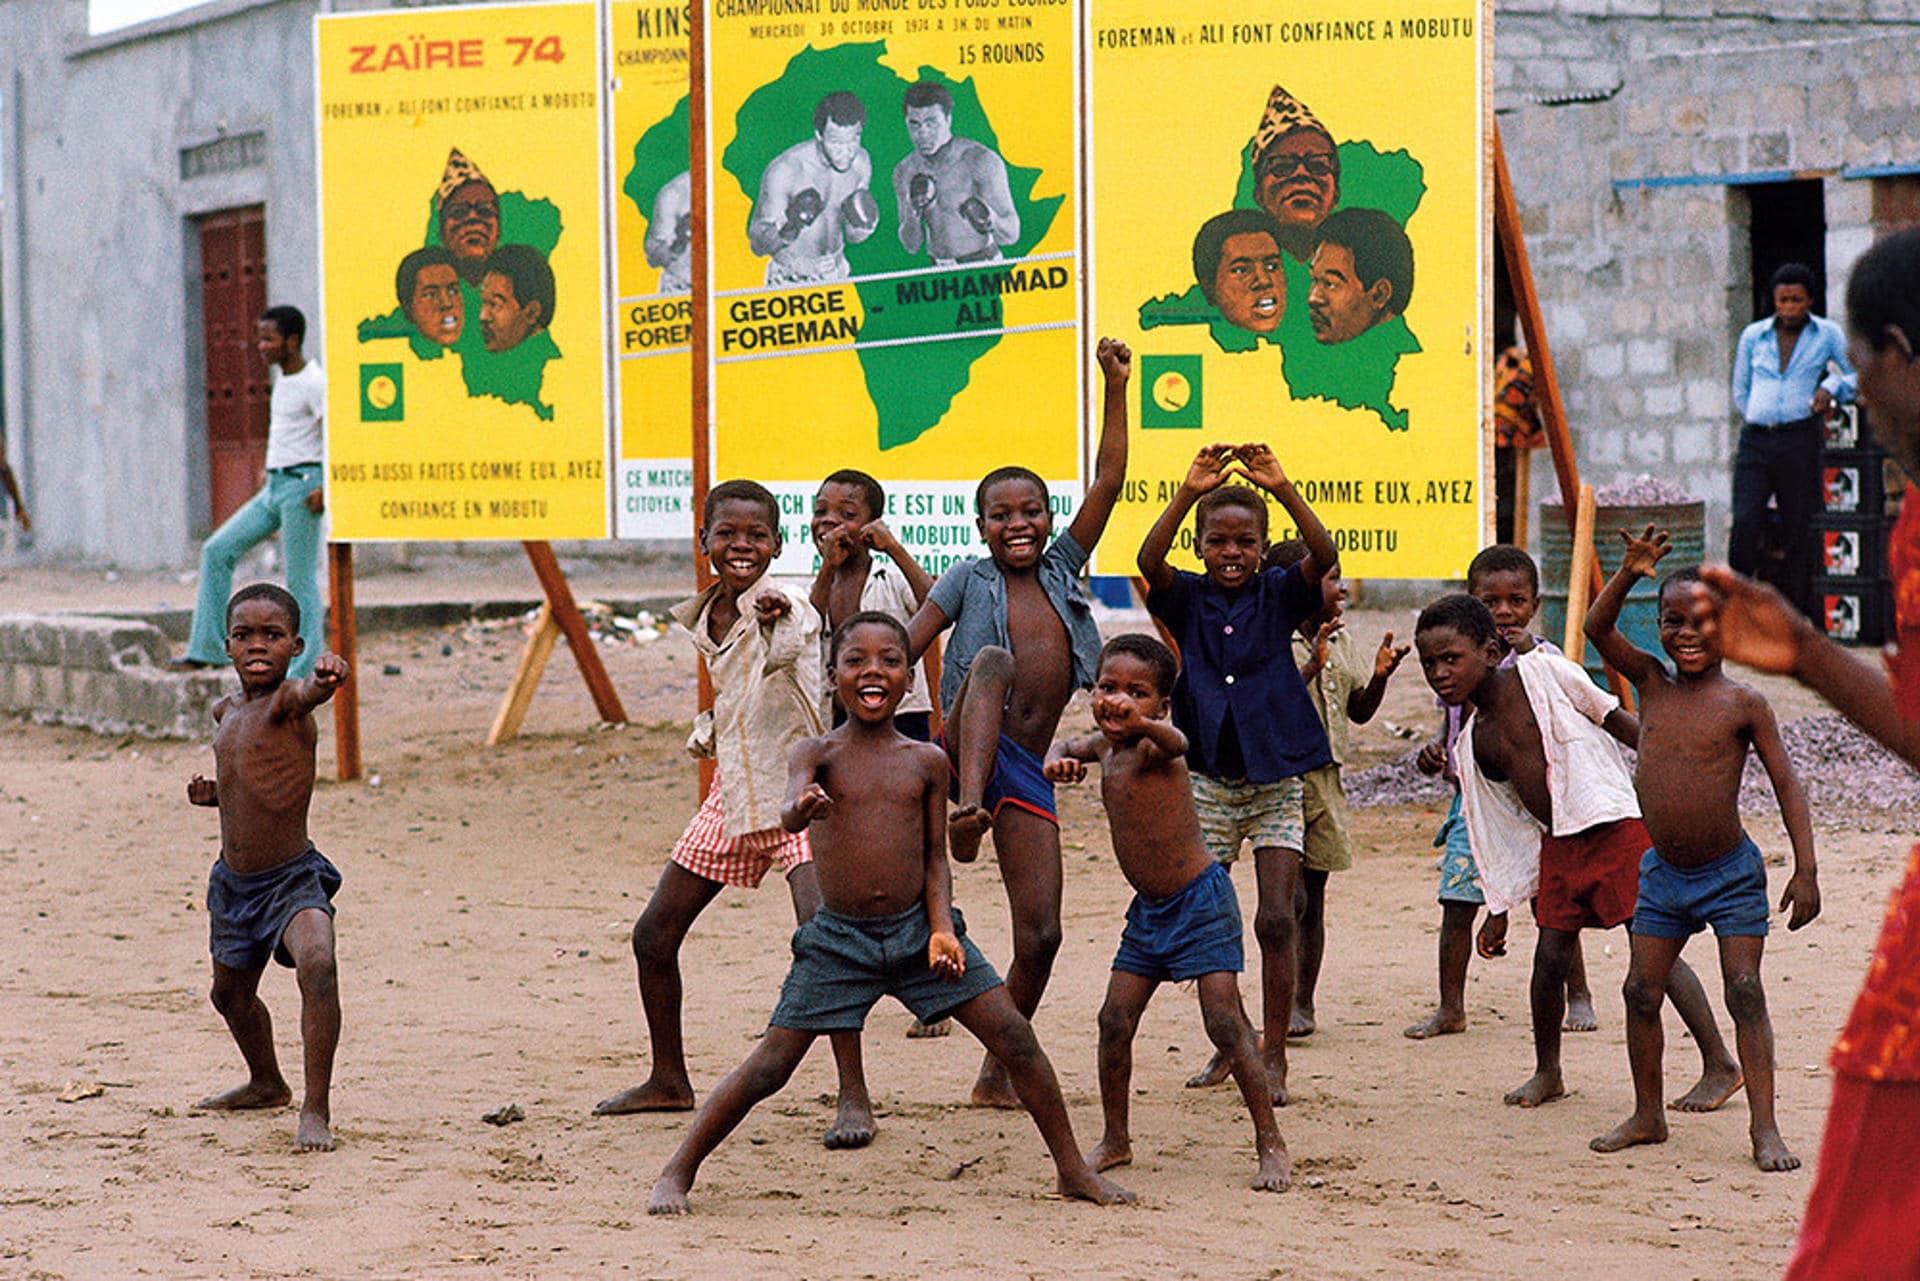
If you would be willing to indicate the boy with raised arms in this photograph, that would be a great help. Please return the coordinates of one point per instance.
(1184, 922)
(876, 802)
(270, 893)
(1023, 640)
(1696, 727)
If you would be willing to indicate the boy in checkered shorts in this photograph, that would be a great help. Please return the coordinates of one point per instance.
(762, 647)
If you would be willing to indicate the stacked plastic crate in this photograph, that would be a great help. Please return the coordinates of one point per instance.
(1852, 595)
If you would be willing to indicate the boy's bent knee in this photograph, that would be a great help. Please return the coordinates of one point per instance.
(1273, 925)
(991, 663)
(1117, 1023)
(1642, 998)
(1224, 1025)
(1746, 999)
(1036, 940)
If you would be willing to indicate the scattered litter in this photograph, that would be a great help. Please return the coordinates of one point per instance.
(1399, 731)
(77, 1090)
(505, 1115)
(1637, 491)
(1840, 767)
(963, 1167)
(391, 669)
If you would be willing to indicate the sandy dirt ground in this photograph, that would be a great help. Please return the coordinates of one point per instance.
(484, 958)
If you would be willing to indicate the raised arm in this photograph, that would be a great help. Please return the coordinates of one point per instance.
(1365, 701)
(790, 632)
(1802, 895)
(1110, 464)
(991, 189)
(770, 227)
(833, 554)
(913, 216)
(945, 956)
(1068, 759)
(1603, 616)
(806, 799)
(295, 699)
(1208, 472)
(1264, 470)
(877, 535)
(927, 623)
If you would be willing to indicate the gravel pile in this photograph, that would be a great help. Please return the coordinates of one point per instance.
(1639, 491)
(1841, 768)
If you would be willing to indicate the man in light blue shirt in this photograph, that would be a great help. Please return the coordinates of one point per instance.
(1783, 390)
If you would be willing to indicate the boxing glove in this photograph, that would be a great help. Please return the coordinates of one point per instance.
(975, 211)
(922, 191)
(802, 209)
(859, 211)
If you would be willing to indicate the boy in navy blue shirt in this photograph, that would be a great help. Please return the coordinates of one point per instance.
(1251, 728)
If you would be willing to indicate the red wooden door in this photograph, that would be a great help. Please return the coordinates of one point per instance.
(233, 293)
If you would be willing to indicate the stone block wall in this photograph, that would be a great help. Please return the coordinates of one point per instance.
(102, 674)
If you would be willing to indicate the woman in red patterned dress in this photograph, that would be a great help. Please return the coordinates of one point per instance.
(1863, 1218)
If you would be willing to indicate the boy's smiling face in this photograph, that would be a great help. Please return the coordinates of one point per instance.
(1125, 682)
(741, 540)
(839, 508)
(1511, 597)
(261, 642)
(1231, 542)
(1015, 523)
(871, 672)
(1688, 614)
(1453, 665)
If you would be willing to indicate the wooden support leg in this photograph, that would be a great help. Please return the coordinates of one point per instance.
(344, 641)
(1580, 577)
(566, 615)
(1522, 494)
(526, 678)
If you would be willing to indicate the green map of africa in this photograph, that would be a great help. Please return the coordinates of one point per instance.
(514, 376)
(913, 384)
(1357, 374)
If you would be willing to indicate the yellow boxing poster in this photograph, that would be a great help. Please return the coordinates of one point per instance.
(462, 271)
(1295, 243)
(653, 255)
(895, 254)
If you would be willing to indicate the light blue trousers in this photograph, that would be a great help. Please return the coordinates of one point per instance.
(281, 505)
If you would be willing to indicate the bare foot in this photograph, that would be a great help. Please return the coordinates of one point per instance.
(1275, 1173)
(993, 1089)
(1085, 1185)
(1580, 1015)
(853, 1126)
(669, 1197)
(1439, 1023)
(1218, 1069)
(1715, 1086)
(254, 1094)
(1301, 1024)
(1770, 1152)
(1631, 1132)
(648, 1097)
(1109, 1153)
(1541, 1087)
(313, 1134)
(940, 1027)
(965, 826)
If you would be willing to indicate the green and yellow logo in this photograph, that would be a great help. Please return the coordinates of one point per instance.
(1170, 391)
(383, 395)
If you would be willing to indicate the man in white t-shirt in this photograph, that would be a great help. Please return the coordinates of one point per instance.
(290, 500)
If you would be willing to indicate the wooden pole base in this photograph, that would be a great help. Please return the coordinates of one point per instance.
(526, 677)
(344, 640)
(559, 616)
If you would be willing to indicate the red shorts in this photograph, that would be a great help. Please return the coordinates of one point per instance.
(704, 849)
(1591, 881)
(1863, 1219)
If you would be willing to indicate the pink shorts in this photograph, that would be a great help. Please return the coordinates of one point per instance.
(704, 850)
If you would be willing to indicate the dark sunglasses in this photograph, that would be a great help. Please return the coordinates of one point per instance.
(1314, 166)
(463, 210)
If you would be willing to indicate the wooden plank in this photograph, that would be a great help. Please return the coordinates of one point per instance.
(1579, 576)
(1522, 494)
(699, 305)
(526, 678)
(344, 641)
(566, 615)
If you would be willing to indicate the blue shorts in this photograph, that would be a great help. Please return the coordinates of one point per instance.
(246, 915)
(843, 965)
(1018, 778)
(1459, 874)
(1729, 894)
(1191, 932)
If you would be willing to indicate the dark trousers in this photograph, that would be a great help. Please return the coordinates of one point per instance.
(1781, 463)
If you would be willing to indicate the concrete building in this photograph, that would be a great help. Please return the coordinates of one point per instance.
(156, 184)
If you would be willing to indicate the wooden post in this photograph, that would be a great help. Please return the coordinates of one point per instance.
(1579, 576)
(533, 661)
(1546, 384)
(566, 616)
(699, 305)
(344, 641)
(1522, 494)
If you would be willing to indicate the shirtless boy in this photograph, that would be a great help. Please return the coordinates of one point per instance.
(1023, 640)
(952, 193)
(1184, 922)
(270, 892)
(1703, 869)
(814, 198)
(1572, 790)
(876, 801)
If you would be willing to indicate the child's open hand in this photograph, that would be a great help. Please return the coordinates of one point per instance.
(770, 605)
(1116, 361)
(812, 803)
(1387, 658)
(329, 670)
(1432, 758)
(1754, 625)
(1802, 895)
(202, 791)
(1492, 940)
(1263, 469)
(1324, 637)
(1209, 470)
(1644, 552)
(1064, 769)
(945, 956)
